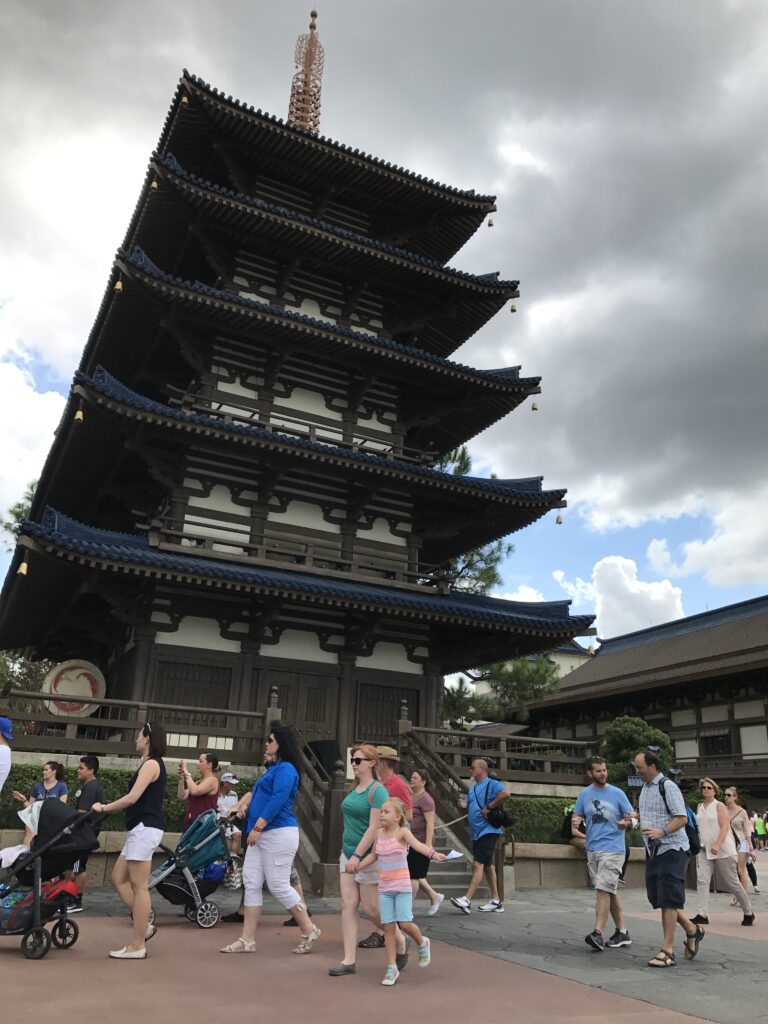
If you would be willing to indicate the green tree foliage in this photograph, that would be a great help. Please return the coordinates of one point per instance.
(20, 673)
(514, 683)
(476, 571)
(15, 515)
(624, 738)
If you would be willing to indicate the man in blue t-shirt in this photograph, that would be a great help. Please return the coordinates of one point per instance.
(485, 794)
(607, 814)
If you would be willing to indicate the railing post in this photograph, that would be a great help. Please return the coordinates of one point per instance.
(333, 823)
(502, 755)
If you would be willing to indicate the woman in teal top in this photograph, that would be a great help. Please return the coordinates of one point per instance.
(360, 811)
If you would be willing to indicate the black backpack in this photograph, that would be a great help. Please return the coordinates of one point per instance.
(691, 825)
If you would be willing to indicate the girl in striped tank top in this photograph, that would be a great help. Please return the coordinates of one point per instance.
(395, 892)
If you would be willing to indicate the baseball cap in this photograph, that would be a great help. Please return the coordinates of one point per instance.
(388, 753)
(230, 777)
(6, 728)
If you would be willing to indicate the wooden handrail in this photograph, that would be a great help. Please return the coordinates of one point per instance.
(80, 699)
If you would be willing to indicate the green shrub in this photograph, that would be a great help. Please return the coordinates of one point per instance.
(539, 819)
(114, 782)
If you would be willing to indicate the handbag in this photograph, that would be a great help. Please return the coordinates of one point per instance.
(497, 817)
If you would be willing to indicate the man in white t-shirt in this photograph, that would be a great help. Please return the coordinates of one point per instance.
(6, 736)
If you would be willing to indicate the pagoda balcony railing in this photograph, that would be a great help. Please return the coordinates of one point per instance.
(725, 766)
(511, 758)
(227, 541)
(238, 737)
(362, 440)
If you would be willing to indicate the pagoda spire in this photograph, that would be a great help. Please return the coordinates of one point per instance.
(304, 105)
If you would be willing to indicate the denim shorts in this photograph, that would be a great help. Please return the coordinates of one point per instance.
(395, 906)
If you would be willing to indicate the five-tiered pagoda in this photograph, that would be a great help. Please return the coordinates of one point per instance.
(242, 492)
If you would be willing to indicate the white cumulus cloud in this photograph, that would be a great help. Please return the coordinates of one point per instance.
(622, 602)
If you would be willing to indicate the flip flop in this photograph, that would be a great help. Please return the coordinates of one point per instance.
(696, 938)
(663, 959)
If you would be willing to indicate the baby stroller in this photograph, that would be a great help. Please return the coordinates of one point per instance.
(195, 870)
(36, 897)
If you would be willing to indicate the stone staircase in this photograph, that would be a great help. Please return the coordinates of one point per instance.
(451, 878)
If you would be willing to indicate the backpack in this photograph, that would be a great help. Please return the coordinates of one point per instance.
(566, 835)
(691, 825)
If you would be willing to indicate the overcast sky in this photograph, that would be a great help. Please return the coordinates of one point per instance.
(627, 145)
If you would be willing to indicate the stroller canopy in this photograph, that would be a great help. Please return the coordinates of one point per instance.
(56, 819)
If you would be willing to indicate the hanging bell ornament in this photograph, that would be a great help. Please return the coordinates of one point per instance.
(118, 286)
(490, 222)
(534, 407)
(559, 520)
(23, 568)
(79, 417)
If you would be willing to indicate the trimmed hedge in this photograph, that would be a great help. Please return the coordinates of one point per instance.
(539, 819)
(114, 782)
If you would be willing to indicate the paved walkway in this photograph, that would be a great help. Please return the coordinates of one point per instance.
(530, 963)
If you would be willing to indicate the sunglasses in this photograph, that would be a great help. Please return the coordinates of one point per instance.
(707, 787)
(358, 760)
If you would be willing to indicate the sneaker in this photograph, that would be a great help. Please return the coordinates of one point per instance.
(342, 968)
(425, 956)
(391, 976)
(462, 903)
(595, 940)
(618, 939)
(700, 919)
(75, 905)
(308, 941)
(234, 918)
(492, 907)
(434, 907)
(401, 959)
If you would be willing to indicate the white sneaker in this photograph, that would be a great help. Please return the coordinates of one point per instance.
(391, 976)
(462, 903)
(492, 907)
(434, 907)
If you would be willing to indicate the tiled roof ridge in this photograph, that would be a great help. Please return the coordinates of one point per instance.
(169, 162)
(98, 543)
(377, 162)
(139, 259)
(527, 487)
(688, 624)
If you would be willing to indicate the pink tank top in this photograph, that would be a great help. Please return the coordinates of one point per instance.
(394, 875)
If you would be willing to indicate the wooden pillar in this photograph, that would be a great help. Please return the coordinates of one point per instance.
(142, 685)
(347, 703)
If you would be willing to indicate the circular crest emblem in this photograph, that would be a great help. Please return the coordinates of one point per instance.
(75, 679)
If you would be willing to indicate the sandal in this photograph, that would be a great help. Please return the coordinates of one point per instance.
(691, 943)
(374, 941)
(663, 959)
(240, 945)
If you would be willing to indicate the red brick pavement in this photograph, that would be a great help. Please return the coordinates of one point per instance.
(185, 978)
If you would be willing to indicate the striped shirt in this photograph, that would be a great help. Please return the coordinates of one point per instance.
(392, 855)
(653, 814)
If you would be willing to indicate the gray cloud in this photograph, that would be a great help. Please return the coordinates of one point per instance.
(635, 198)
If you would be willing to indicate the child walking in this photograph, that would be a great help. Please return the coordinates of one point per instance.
(395, 891)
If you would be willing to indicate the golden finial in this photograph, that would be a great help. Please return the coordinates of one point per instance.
(304, 105)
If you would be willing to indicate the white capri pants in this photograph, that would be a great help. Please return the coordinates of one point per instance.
(269, 861)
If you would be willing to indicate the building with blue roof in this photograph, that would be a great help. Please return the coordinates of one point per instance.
(244, 494)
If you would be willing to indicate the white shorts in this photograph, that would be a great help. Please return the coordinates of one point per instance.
(369, 876)
(141, 842)
(744, 846)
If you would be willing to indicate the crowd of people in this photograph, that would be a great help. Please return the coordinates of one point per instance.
(387, 844)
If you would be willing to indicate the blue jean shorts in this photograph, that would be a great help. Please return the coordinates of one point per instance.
(395, 906)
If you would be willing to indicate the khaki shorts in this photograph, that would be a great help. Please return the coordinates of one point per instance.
(604, 869)
(370, 876)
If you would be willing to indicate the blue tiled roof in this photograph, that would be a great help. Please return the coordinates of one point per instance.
(491, 280)
(528, 489)
(681, 627)
(138, 258)
(67, 534)
(469, 194)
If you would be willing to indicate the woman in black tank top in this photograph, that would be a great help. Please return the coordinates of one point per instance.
(143, 806)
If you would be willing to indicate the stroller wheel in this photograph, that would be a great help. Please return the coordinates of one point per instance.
(64, 933)
(190, 912)
(208, 915)
(36, 943)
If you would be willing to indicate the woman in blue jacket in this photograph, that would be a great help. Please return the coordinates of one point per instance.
(271, 832)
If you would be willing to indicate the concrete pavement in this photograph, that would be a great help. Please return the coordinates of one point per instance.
(530, 963)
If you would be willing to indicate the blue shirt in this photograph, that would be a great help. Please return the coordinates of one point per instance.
(39, 792)
(602, 807)
(478, 797)
(272, 798)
